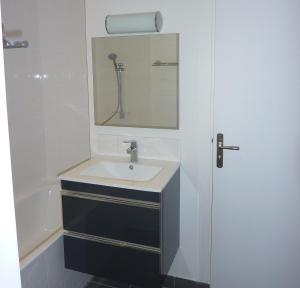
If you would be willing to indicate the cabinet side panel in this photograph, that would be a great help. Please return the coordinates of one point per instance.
(170, 222)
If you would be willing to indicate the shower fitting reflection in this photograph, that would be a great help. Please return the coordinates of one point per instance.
(128, 90)
(119, 68)
(11, 44)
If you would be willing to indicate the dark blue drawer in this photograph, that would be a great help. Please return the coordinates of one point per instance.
(135, 222)
(118, 263)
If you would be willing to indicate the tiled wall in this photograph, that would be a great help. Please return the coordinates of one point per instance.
(46, 85)
(47, 101)
(148, 147)
(48, 271)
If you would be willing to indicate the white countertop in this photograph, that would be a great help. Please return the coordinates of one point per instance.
(157, 184)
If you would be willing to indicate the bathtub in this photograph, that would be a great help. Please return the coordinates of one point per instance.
(39, 222)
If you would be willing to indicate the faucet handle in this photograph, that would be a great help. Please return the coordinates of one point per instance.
(133, 143)
(132, 150)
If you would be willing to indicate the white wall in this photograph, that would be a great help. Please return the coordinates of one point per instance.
(191, 143)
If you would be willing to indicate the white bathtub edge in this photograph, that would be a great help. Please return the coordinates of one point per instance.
(25, 261)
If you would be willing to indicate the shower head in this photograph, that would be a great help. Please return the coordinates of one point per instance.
(113, 57)
(119, 67)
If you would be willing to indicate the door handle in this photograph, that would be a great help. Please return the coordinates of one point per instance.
(229, 147)
(221, 147)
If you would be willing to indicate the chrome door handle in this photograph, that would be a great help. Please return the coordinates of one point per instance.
(221, 147)
(229, 147)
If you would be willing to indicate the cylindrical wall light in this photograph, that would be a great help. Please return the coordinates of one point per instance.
(134, 23)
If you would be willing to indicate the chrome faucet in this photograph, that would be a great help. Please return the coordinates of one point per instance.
(132, 150)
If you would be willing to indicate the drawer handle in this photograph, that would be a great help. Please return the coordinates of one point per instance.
(113, 242)
(110, 199)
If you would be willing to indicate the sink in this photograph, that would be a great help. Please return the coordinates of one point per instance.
(122, 170)
(114, 171)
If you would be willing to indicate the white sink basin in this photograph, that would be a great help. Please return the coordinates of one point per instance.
(121, 170)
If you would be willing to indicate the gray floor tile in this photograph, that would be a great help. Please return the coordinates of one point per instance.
(94, 285)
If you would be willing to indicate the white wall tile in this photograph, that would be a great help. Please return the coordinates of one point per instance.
(46, 86)
(148, 147)
(47, 95)
(107, 144)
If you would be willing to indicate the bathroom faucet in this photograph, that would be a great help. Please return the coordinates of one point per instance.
(132, 150)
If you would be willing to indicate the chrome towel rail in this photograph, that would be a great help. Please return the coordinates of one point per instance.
(11, 44)
(160, 63)
(111, 199)
(110, 241)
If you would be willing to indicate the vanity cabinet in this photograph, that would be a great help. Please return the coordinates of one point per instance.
(126, 235)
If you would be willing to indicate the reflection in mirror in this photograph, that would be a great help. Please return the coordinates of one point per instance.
(136, 81)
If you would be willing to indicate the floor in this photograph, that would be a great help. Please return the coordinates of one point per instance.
(169, 282)
(103, 283)
(94, 285)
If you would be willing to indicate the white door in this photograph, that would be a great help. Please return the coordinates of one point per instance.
(256, 195)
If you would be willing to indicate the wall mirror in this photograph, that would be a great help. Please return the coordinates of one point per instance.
(136, 80)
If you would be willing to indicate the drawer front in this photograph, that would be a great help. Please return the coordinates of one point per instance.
(122, 264)
(134, 222)
(111, 191)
